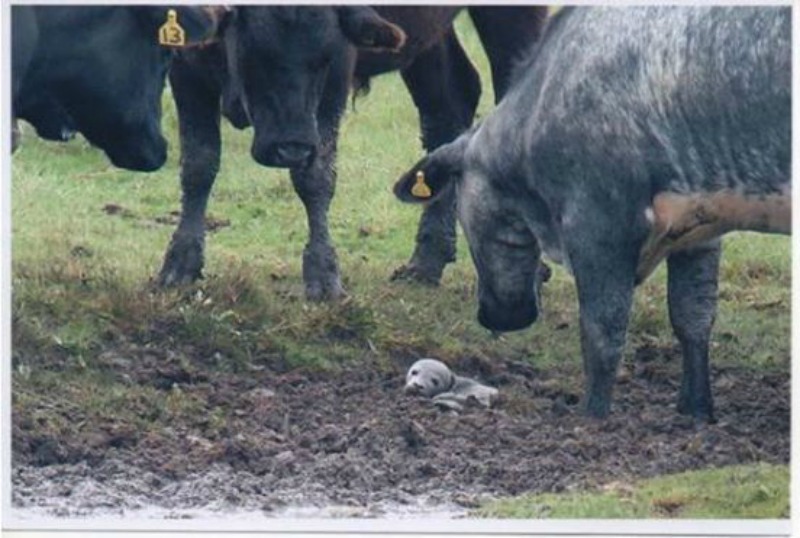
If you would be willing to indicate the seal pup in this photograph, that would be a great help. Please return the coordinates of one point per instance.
(433, 379)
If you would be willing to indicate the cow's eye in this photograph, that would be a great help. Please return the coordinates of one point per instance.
(414, 372)
(435, 382)
(513, 233)
(515, 236)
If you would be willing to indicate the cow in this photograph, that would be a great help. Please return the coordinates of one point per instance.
(24, 35)
(629, 136)
(288, 70)
(100, 71)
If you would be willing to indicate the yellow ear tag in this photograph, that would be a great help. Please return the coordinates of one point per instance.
(420, 188)
(171, 33)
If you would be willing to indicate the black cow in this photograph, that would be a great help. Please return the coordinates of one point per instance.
(631, 135)
(99, 70)
(24, 35)
(287, 70)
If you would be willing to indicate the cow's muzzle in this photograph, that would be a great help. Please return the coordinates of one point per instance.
(148, 156)
(503, 317)
(286, 155)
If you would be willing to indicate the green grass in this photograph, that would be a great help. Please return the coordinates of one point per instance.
(81, 277)
(748, 491)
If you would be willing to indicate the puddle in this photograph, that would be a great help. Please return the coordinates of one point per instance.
(67, 492)
(54, 511)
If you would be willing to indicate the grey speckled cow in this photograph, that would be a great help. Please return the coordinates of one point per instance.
(630, 135)
(433, 379)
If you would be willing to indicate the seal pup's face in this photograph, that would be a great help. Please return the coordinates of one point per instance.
(428, 377)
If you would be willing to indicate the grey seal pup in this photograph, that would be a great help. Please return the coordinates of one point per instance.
(433, 379)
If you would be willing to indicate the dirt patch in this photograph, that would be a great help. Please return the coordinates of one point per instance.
(212, 224)
(273, 438)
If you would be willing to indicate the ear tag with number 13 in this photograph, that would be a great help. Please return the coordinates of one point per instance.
(171, 34)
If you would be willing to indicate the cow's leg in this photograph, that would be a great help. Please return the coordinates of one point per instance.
(604, 270)
(316, 185)
(445, 88)
(692, 294)
(506, 33)
(605, 303)
(197, 100)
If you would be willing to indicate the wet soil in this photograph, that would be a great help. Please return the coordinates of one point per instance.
(212, 224)
(293, 438)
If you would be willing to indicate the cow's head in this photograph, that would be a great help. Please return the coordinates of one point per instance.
(505, 251)
(103, 69)
(48, 116)
(283, 60)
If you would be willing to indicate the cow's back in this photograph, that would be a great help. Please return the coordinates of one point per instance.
(699, 93)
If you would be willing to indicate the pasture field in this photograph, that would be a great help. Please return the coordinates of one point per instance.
(238, 376)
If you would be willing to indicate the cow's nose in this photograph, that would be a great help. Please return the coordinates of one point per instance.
(146, 156)
(293, 154)
(503, 315)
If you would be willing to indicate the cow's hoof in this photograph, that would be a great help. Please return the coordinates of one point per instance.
(321, 273)
(415, 273)
(325, 291)
(701, 414)
(597, 408)
(170, 279)
(183, 264)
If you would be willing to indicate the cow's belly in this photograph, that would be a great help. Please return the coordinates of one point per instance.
(680, 221)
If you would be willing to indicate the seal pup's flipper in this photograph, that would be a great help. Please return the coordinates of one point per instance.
(467, 388)
(449, 401)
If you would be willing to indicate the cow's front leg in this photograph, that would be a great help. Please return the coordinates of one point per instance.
(605, 281)
(315, 186)
(199, 115)
(445, 88)
(435, 242)
(604, 323)
(692, 295)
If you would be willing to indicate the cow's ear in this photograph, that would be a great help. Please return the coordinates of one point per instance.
(182, 26)
(433, 174)
(366, 29)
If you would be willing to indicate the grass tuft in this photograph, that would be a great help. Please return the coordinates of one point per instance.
(748, 491)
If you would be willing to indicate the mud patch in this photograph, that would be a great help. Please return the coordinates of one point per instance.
(351, 439)
(212, 224)
(116, 490)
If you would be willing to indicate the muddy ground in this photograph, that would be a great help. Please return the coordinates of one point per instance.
(351, 439)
